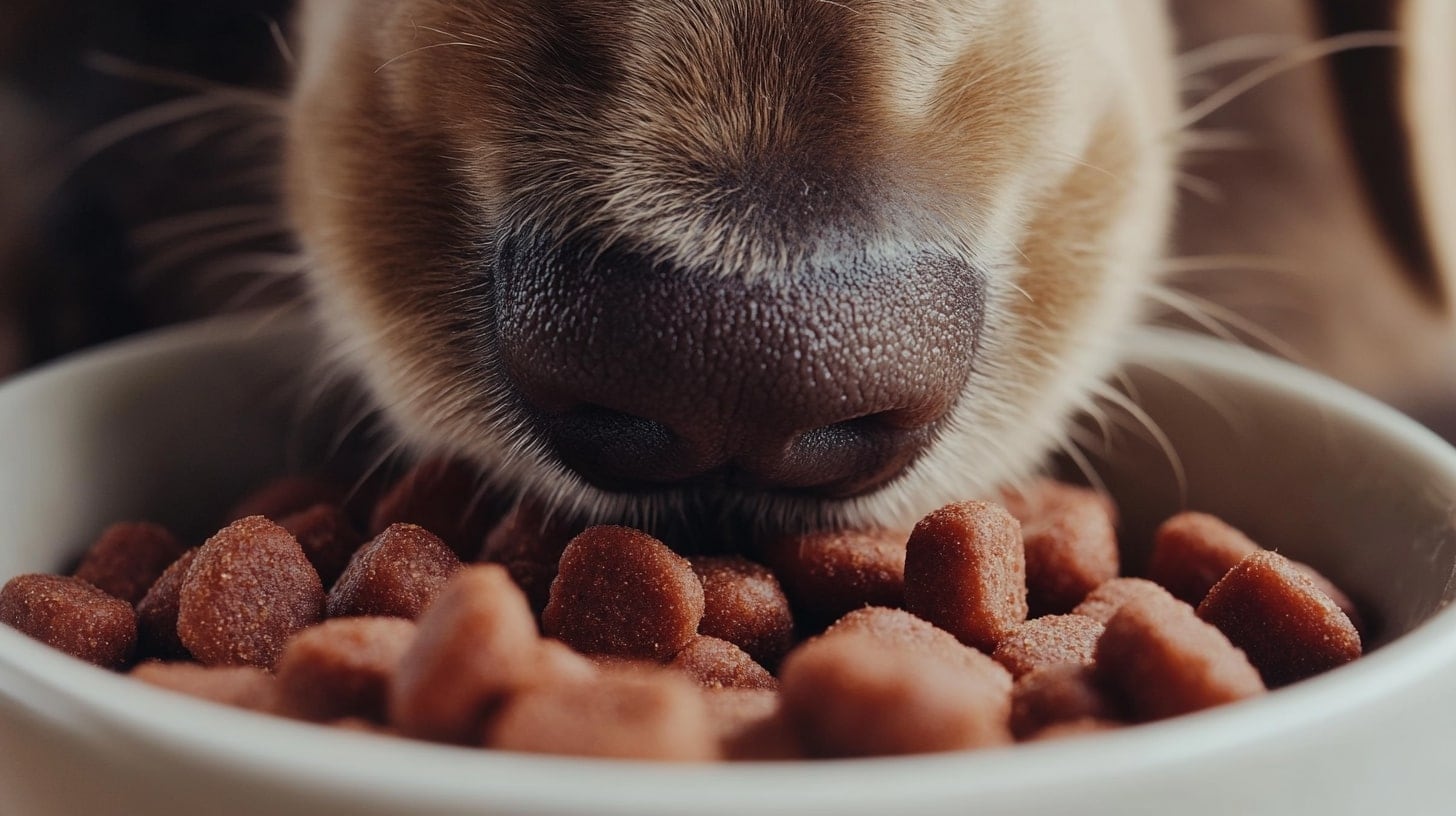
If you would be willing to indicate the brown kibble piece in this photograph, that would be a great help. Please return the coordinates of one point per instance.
(1070, 537)
(285, 496)
(157, 612)
(1048, 641)
(965, 572)
(1043, 497)
(1289, 628)
(71, 615)
(850, 693)
(744, 605)
(1191, 551)
(1075, 728)
(445, 497)
(619, 591)
(127, 558)
(1104, 601)
(248, 590)
(342, 668)
(529, 544)
(327, 537)
(827, 574)
(622, 714)
(398, 574)
(750, 726)
(475, 645)
(242, 686)
(1158, 657)
(1066, 692)
(898, 629)
(1334, 593)
(715, 663)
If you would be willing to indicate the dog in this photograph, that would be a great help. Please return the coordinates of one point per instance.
(839, 262)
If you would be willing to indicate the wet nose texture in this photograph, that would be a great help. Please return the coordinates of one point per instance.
(643, 376)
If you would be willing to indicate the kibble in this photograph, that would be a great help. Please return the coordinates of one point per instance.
(839, 644)
(744, 605)
(1284, 622)
(1070, 537)
(247, 591)
(715, 663)
(626, 713)
(327, 536)
(157, 612)
(71, 615)
(127, 559)
(1163, 661)
(476, 644)
(965, 571)
(342, 668)
(399, 573)
(830, 573)
(445, 497)
(622, 592)
(1061, 693)
(1048, 641)
(240, 686)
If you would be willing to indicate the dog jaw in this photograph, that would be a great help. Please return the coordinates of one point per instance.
(1031, 140)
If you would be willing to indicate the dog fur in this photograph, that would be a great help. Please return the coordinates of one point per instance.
(1049, 143)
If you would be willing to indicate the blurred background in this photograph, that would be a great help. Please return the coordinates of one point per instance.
(137, 166)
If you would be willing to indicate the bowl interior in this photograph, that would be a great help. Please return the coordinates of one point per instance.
(176, 426)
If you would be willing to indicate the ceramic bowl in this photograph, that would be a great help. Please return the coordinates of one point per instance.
(173, 426)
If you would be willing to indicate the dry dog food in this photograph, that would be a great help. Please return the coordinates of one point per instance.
(830, 573)
(984, 625)
(248, 590)
(71, 615)
(1070, 537)
(1288, 627)
(128, 558)
(1163, 661)
(623, 593)
(398, 573)
(157, 612)
(327, 536)
(965, 571)
(1058, 694)
(744, 605)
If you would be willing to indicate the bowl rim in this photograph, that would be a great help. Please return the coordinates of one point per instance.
(424, 774)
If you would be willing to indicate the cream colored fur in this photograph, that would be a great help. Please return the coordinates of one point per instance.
(1039, 139)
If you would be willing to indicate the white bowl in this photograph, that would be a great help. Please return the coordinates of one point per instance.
(173, 425)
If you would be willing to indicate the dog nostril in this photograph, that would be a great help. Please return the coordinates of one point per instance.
(847, 458)
(619, 451)
(616, 449)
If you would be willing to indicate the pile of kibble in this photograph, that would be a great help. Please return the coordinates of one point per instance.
(466, 622)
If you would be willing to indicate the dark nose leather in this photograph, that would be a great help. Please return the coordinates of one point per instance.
(643, 376)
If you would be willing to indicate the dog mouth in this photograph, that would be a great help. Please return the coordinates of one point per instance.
(821, 383)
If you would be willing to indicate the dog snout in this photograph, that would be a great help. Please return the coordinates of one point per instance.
(641, 375)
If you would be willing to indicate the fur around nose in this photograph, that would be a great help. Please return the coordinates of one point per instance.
(643, 376)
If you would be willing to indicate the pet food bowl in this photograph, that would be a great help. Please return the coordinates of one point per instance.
(172, 426)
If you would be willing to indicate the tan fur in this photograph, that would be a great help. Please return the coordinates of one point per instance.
(1030, 138)
(1037, 139)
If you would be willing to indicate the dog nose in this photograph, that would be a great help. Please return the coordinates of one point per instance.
(642, 375)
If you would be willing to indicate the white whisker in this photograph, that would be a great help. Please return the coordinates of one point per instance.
(1302, 55)
(1150, 426)
(1239, 48)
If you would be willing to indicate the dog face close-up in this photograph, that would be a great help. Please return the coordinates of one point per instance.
(840, 261)
(878, 403)
(810, 263)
